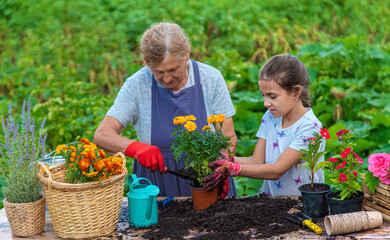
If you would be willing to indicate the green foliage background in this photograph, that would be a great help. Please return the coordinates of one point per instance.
(71, 57)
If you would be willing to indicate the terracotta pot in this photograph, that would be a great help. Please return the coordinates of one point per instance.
(202, 199)
(314, 200)
(26, 219)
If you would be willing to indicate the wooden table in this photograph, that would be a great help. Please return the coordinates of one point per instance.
(382, 232)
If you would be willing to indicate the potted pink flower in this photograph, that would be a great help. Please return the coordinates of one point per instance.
(344, 170)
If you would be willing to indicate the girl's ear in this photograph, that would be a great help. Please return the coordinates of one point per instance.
(297, 91)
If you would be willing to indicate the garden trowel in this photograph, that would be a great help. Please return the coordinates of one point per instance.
(305, 220)
(186, 173)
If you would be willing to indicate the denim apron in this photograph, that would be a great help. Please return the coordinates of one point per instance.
(166, 105)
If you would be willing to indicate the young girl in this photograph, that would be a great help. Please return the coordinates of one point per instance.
(284, 130)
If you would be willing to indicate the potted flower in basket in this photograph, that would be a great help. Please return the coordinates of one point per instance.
(198, 148)
(20, 152)
(345, 171)
(314, 194)
(85, 193)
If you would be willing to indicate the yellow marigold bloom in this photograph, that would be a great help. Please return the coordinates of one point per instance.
(206, 128)
(61, 147)
(221, 118)
(43, 170)
(92, 174)
(211, 119)
(179, 120)
(191, 126)
(190, 118)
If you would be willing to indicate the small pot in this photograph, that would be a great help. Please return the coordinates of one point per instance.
(337, 206)
(26, 219)
(202, 199)
(314, 199)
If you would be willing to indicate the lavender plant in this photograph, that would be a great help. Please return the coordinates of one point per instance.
(20, 152)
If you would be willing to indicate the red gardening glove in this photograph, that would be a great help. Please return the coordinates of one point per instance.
(224, 186)
(223, 170)
(147, 155)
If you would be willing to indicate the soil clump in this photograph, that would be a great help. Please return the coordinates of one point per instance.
(257, 217)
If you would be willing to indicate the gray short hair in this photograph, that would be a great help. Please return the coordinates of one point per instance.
(162, 40)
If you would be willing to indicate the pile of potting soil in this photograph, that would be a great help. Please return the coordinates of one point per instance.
(255, 217)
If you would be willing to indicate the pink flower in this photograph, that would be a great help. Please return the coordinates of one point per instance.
(342, 177)
(379, 164)
(345, 153)
(354, 173)
(324, 132)
(333, 159)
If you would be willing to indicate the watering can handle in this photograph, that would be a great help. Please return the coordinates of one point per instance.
(133, 179)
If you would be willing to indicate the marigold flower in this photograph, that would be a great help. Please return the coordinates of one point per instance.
(179, 120)
(211, 119)
(191, 126)
(108, 163)
(71, 165)
(221, 118)
(99, 165)
(62, 147)
(85, 141)
(84, 172)
(102, 153)
(84, 164)
(73, 154)
(92, 174)
(190, 118)
(205, 128)
(73, 148)
(43, 170)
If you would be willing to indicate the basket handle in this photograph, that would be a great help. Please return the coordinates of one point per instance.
(47, 171)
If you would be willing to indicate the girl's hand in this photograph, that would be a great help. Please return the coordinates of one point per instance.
(223, 170)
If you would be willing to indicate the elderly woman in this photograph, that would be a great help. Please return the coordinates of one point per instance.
(170, 85)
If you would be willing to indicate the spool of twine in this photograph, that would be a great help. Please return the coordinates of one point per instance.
(352, 222)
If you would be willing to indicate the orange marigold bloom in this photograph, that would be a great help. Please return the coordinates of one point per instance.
(206, 128)
(221, 118)
(84, 164)
(108, 163)
(71, 165)
(85, 141)
(179, 120)
(43, 170)
(73, 148)
(190, 118)
(84, 172)
(72, 159)
(61, 147)
(102, 153)
(99, 165)
(73, 154)
(191, 126)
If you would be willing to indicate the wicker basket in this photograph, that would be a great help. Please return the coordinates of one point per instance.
(83, 210)
(26, 219)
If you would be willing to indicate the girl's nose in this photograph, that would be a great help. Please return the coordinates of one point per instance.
(266, 103)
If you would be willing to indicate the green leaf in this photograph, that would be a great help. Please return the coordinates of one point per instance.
(371, 181)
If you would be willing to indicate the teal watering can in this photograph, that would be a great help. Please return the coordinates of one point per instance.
(142, 202)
